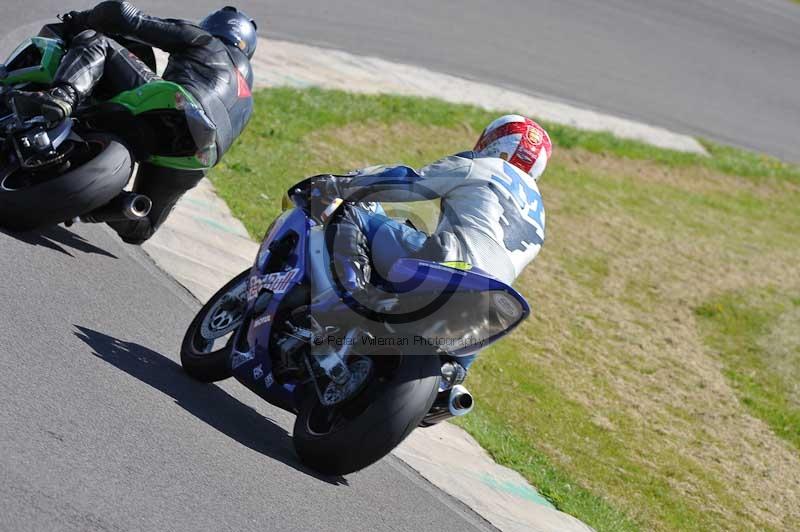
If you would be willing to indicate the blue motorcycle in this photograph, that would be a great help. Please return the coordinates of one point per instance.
(360, 376)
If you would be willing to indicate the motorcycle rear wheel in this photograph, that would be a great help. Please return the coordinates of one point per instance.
(93, 174)
(344, 438)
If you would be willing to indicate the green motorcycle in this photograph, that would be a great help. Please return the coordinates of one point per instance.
(78, 169)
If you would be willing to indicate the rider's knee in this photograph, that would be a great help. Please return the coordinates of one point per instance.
(441, 247)
(87, 37)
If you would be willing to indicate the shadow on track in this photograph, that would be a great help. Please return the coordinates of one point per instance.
(58, 239)
(205, 401)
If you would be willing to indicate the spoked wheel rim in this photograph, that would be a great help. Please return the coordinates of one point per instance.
(71, 155)
(327, 419)
(359, 375)
(224, 317)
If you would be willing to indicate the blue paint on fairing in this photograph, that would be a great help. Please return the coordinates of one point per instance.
(407, 277)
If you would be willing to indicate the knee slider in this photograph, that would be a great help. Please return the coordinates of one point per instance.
(87, 37)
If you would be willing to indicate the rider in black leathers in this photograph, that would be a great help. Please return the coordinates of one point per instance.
(210, 60)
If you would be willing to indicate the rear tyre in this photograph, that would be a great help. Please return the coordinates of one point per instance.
(94, 173)
(214, 321)
(345, 438)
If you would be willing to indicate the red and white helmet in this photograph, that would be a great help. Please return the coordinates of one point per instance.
(519, 140)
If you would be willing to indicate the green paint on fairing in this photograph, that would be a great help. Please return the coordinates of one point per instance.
(155, 95)
(158, 94)
(179, 163)
(52, 51)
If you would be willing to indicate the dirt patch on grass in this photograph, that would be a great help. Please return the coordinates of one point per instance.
(783, 346)
(687, 178)
(636, 339)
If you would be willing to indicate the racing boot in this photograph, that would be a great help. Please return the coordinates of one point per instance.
(54, 104)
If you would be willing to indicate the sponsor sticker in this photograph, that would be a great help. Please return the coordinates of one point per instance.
(240, 358)
(506, 304)
(525, 154)
(534, 136)
(258, 373)
(262, 320)
(277, 283)
(269, 380)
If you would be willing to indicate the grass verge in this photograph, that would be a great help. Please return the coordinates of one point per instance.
(756, 334)
(627, 399)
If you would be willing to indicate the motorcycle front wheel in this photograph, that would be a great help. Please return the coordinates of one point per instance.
(341, 439)
(206, 347)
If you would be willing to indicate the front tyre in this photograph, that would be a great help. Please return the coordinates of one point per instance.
(344, 438)
(202, 356)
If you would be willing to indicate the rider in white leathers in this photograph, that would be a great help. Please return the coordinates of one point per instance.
(492, 215)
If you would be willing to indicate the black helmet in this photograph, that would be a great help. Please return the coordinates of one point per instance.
(234, 27)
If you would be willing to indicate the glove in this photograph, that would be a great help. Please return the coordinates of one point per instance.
(321, 192)
(75, 22)
(113, 17)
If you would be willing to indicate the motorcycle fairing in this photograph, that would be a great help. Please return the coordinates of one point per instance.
(281, 269)
(35, 60)
(447, 290)
(435, 291)
(160, 95)
(254, 370)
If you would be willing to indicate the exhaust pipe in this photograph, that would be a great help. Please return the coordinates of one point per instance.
(137, 206)
(460, 402)
(126, 206)
(457, 401)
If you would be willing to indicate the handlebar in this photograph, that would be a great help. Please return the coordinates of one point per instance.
(307, 195)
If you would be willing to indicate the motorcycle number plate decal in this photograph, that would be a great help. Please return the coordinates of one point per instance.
(277, 283)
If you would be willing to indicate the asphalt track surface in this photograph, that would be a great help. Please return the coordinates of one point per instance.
(100, 429)
(728, 70)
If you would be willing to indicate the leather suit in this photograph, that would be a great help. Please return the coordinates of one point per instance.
(217, 75)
